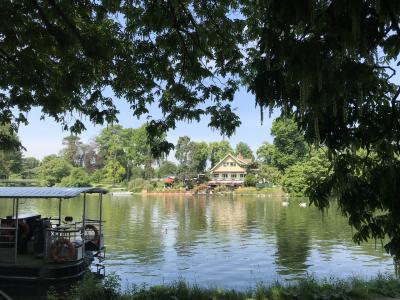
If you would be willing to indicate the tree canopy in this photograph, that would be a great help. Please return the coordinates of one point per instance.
(192, 156)
(289, 145)
(72, 152)
(244, 150)
(10, 159)
(218, 150)
(53, 169)
(175, 52)
(329, 64)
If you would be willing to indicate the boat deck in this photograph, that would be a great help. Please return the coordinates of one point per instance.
(30, 261)
(29, 269)
(25, 260)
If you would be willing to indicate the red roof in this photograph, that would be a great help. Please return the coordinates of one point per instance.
(169, 180)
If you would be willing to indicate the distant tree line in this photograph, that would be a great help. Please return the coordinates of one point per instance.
(120, 154)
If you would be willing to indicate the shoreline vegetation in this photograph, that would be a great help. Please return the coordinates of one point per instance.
(121, 158)
(381, 287)
(270, 192)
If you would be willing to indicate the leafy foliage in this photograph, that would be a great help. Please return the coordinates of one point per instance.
(250, 180)
(77, 178)
(97, 176)
(114, 171)
(72, 152)
(10, 157)
(128, 147)
(307, 289)
(299, 177)
(192, 157)
(328, 64)
(136, 185)
(53, 169)
(29, 166)
(169, 51)
(167, 168)
(289, 144)
(265, 153)
(244, 150)
(270, 174)
(218, 150)
(366, 187)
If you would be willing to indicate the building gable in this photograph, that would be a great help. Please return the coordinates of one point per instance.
(229, 163)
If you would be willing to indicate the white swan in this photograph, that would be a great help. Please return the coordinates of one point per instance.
(285, 203)
(303, 204)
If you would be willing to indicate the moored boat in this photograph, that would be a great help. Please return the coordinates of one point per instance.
(46, 249)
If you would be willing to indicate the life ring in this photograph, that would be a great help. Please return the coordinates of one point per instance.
(93, 228)
(56, 250)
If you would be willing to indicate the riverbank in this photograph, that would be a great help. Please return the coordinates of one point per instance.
(381, 287)
(272, 192)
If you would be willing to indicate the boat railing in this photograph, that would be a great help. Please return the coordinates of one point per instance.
(7, 235)
(7, 243)
(67, 235)
(92, 234)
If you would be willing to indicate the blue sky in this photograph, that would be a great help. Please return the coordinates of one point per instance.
(42, 138)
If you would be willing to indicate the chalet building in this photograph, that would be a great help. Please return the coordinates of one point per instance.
(231, 171)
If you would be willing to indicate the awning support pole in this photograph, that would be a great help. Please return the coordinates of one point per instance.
(101, 213)
(59, 211)
(16, 230)
(84, 221)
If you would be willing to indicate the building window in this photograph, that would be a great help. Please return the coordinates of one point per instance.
(233, 175)
(233, 164)
(216, 175)
(225, 175)
(225, 164)
(242, 175)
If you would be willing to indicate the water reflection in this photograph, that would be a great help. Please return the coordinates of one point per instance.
(223, 241)
(293, 242)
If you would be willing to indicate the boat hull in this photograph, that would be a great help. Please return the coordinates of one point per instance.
(46, 273)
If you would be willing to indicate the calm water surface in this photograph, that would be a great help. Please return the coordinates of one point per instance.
(223, 241)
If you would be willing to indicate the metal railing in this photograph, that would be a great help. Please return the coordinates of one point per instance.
(8, 243)
(70, 233)
(86, 236)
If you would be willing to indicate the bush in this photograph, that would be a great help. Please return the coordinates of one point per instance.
(200, 188)
(308, 289)
(53, 169)
(297, 178)
(152, 186)
(77, 178)
(270, 174)
(221, 189)
(91, 288)
(250, 180)
(137, 185)
(97, 176)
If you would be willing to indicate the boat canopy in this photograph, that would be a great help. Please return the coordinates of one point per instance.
(47, 192)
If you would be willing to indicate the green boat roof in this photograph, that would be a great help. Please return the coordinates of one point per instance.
(46, 192)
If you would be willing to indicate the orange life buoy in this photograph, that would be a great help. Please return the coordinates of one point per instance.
(93, 228)
(56, 250)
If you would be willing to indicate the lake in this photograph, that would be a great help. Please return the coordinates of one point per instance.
(223, 241)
